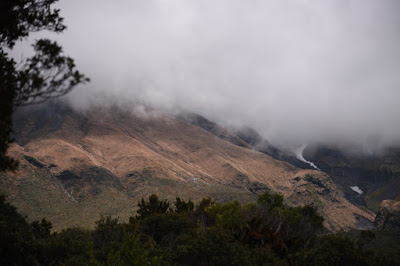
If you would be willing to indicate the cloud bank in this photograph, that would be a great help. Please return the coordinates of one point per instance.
(297, 71)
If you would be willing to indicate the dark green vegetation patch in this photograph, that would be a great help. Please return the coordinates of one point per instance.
(88, 182)
(242, 181)
(181, 233)
(34, 161)
(67, 175)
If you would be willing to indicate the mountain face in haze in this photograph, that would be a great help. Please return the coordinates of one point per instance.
(76, 167)
(366, 179)
(245, 137)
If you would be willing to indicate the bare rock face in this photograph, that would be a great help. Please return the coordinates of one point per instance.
(388, 217)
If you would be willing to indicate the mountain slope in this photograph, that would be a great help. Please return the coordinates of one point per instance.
(76, 167)
(244, 137)
(376, 174)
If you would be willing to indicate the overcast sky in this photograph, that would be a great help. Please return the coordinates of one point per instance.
(298, 71)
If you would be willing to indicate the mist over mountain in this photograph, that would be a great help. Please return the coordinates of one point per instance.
(221, 132)
(298, 72)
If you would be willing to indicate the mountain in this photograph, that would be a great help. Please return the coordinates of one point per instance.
(245, 137)
(366, 178)
(78, 166)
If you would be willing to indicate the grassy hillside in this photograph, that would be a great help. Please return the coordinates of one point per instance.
(76, 167)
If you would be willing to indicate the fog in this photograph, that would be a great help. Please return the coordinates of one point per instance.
(297, 71)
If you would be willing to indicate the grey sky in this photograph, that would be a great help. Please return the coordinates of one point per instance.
(297, 71)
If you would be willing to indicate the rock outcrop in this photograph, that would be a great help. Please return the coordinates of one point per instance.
(388, 217)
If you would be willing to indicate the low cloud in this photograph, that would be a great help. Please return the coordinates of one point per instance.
(297, 71)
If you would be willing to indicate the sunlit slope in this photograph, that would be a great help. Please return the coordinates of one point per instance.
(76, 167)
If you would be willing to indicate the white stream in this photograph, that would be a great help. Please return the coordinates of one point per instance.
(299, 155)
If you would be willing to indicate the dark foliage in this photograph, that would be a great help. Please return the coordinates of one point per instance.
(262, 233)
(151, 207)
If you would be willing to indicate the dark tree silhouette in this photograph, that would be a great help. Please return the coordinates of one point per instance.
(48, 74)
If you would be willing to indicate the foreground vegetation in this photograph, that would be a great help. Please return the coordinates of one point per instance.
(160, 233)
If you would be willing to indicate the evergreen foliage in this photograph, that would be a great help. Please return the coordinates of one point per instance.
(263, 233)
(47, 74)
